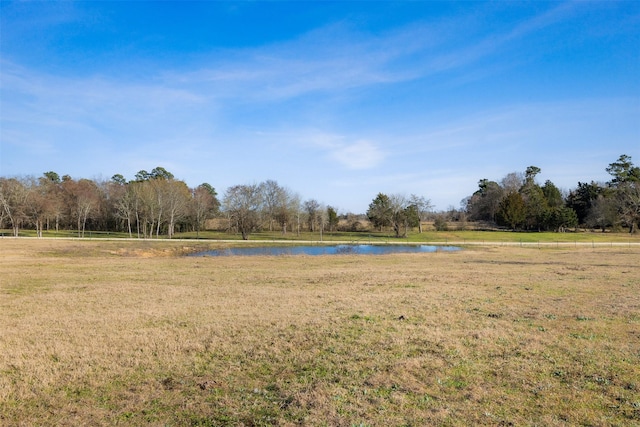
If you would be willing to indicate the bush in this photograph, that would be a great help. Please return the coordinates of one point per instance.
(440, 224)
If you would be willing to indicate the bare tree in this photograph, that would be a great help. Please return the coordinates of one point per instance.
(159, 193)
(603, 213)
(628, 197)
(145, 200)
(37, 205)
(272, 195)
(83, 199)
(135, 192)
(13, 199)
(242, 203)
(287, 206)
(311, 208)
(204, 205)
(512, 182)
(176, 197)
(423, 206)
(125, 203)
(399, 219)
(626, 185)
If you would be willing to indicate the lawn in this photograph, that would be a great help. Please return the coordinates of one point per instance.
(428, 236)
(133, 333)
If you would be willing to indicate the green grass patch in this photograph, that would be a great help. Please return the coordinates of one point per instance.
(369, 237)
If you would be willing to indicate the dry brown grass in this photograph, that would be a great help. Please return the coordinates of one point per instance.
(102, 333)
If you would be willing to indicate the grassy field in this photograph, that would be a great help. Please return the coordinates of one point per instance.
(133, 333)
(430, 236)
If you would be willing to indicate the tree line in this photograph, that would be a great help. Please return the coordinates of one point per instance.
(152, 204)
(155, 203)
(248, 208)
(520, 203)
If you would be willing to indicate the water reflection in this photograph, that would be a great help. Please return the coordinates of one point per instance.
(327, 250)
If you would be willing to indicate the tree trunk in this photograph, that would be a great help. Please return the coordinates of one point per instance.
(171, 225)
(14, 226)
(85, 214)
(84, 222)
(158, 226)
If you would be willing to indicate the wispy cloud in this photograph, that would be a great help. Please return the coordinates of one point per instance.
(49, 118)
(325, 61)
(358, 155)
(94, 101)
(338, 58)
(306, 66)
(344, 151)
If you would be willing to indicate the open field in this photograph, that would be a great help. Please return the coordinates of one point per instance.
(132, 333)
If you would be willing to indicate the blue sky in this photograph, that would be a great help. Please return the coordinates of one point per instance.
(335, 100)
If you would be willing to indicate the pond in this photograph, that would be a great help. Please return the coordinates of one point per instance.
(327, 250)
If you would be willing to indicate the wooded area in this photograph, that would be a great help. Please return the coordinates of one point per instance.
(157, 204)
(520, 203)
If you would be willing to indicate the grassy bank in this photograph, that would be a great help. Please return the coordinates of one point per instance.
(458, 236)
(110, 332)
